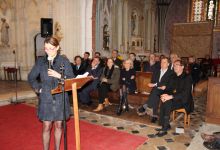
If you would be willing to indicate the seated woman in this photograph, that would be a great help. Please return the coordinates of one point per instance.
(109, 81)
(128, 85)
(78, 67)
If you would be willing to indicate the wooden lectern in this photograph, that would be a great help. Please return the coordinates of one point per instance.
(74, 84)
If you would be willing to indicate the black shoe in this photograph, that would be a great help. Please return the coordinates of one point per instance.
(161, 133)
(214, 145)
(141, 111)
(160, 129)
(119, 111)
(153, 119)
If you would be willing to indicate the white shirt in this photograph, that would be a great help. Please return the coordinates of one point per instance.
(162, 72)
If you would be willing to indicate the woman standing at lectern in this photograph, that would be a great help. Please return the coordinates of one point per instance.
(50, 109)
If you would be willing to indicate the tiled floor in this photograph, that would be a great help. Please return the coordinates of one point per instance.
(131, 123)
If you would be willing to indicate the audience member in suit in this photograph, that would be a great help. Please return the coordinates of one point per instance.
(78, 68)
(102, 62)
(194, 70)
(115, 58)
(94, 70)
(157, 59)
(173, 58)
(206, 66)
(128, 84)
(86, 61)
(136, 63)
(151, 65)
(160, 79)
(178, 94)
(109, 81)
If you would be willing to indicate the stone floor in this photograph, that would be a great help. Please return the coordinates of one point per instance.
(127, 122)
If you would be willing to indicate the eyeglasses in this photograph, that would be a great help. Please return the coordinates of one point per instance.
(49, 48)
(175, 65)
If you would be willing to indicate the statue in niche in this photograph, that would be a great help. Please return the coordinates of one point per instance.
(4, 33)
(58, 34)
(106, 37)
(133, 23)
(5, 5)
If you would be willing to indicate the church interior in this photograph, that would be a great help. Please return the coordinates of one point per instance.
(144, 35)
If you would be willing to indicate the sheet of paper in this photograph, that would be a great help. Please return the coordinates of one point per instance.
(83, 75)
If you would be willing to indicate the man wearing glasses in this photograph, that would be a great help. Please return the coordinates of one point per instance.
(176, 95)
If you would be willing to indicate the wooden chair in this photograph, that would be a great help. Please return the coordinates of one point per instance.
(186, 116)
(11, 73)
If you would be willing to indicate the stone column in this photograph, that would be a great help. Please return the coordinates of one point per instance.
(125, 26)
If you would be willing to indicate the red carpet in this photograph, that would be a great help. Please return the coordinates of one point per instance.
(21, 130)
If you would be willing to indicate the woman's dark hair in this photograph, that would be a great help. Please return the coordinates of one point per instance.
(52, 40)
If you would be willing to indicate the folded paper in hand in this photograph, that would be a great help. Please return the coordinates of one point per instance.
(83, 75)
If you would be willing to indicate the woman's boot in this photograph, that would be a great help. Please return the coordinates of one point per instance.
(119, 110)
(126, 101)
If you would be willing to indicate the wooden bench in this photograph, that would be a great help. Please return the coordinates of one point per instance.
(142, 80)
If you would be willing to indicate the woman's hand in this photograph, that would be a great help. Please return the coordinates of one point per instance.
(53, 73)
(104, 80)
(132, 77)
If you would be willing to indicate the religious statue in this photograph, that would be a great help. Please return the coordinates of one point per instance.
(133, 23)
(106, 37)
(4, 33)
(58, 34)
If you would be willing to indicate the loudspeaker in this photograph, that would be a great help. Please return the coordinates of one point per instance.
(46, 27)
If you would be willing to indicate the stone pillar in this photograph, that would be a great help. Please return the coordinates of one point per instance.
(125, 26)
(120, 25)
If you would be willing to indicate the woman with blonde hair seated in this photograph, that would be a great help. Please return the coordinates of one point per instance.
(109, 81)
(128, 84)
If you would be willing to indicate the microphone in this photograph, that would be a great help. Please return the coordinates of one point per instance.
(49, 58)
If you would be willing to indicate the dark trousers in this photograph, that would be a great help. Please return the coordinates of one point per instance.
(84, 95)
(103, 90)
(165, 110)
(154, 100)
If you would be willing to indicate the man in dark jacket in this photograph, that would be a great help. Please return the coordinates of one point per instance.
(78, 67)
(115, 58)
(158, 83)
(136, 63)
(178, 94)
(94, 70)
(194, 70)
(151, 65)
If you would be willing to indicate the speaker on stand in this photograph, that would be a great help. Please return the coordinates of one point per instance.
(46, 30)
(46, 27)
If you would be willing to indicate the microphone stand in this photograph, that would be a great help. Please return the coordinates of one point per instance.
(16, 83)
(64, 105)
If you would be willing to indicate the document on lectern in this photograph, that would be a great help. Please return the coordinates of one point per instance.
(83, 75)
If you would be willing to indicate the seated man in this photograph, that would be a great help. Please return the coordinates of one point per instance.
(94, 70)
(78, 68)
(158, 83)
(117, 61)
(176, 95)
(151, 65)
